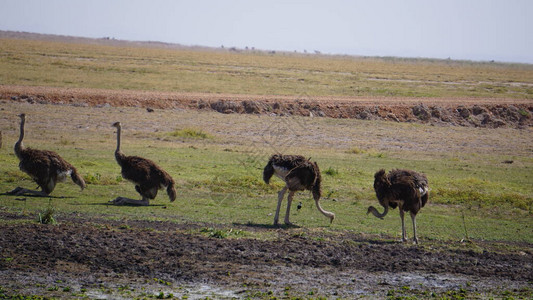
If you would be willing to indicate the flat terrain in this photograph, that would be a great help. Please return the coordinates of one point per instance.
(211, 118)
(216, 240)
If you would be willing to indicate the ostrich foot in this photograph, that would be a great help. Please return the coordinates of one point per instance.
(129, 201)
(415, 241)
(16, 191)
(19, 191)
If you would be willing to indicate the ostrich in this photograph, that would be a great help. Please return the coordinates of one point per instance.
(45, 167)
(147, 176)
(299, 174)
(403, 188)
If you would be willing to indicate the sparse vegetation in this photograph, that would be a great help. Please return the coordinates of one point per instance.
(191, 133)
(331, 171)
(48, 215)
(109, 67)
(221, 233)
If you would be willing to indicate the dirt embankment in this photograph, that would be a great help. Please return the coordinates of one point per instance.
(490, 113)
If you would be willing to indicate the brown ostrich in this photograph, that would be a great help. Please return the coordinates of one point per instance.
(403, 188)
(147, 176)
(299, 174)
(45, 167)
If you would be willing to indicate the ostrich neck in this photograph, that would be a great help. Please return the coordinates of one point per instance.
(324, 212)
(377, 214)
(118, 140)
(118, 155)
(19, 146)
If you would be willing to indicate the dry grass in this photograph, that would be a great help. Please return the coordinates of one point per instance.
(24, 62)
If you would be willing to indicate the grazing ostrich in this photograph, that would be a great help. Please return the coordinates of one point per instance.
(299, 174)
(147, 176)
(45, 167)
(403, 188)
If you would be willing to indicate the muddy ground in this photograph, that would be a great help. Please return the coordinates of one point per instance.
(471, 112)
(98, 258)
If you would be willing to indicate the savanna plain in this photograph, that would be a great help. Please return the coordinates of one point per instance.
(216, 241)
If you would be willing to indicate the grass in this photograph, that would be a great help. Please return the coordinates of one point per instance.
(191, 133)
(47, 216)
(219, 180)
(41, 63)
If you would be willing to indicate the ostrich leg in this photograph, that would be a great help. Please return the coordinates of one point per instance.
(413, 218)
(288, 212)
(404, 234)
(281, 194)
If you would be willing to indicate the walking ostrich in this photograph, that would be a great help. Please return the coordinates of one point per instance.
(45, 167)
(403, 188)
(299, 174)
(147, 176)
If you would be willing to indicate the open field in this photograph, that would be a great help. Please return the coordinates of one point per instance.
(121, 73)
(476, 231)
(105, 64)
(212, 118)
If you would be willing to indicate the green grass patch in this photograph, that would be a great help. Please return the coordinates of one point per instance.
(221, 188)
(191, 133)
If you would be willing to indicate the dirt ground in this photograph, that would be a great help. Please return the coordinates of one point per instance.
(472, 112)
(86, 257)
(100, 258)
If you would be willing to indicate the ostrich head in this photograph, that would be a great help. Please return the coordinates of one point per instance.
(381, 184)
(116, 125)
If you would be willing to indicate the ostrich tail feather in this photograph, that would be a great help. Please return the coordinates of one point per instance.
(77, 179)
(171, 191)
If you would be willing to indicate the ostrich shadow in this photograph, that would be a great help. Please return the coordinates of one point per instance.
(23, 196)
(266, 226)
(113, 205)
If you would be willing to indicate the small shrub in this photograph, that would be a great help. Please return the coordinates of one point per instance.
(191, 133)
(215, 233)
(331, 171)
(47, 216)
(92, 178)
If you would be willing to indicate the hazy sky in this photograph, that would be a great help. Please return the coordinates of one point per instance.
(500, 30)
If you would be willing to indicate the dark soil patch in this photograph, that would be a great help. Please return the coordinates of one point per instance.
(98, 251)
